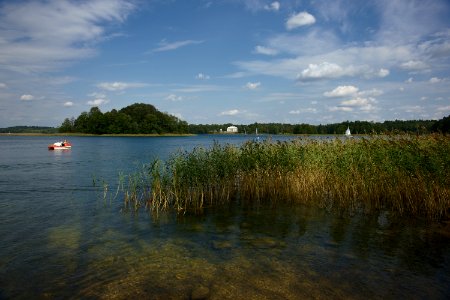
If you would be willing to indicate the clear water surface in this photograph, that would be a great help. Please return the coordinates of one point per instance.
(59, 239)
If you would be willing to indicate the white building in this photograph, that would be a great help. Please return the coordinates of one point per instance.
(232, 129)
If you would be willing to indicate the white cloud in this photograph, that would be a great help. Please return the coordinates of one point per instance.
(300, 19)
(406, 22)
(202, 76)
(253, 85)
(49, 34)
(198, 89)
(414, 65)
(444, 108)
(319, 60)
(27, 97)
(274, 6)
(414, 109)
(99, 99)
(370, 93)
(2, 85)
(265, 50)
(342, 91)
(313, 42)
(320, 71)
(165, 46)
(435, 80)
(383, 73)
(303, 110)
(362, 102)
(68, 104)
(97, 102)
(97, 95)
(340, 108)
(410, 80)
(231, 112)
(173, 97)
(119, 86)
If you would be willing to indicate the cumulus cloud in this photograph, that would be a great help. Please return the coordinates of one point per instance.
(173, 97)
(359, 103)
(253, 85)
(435, 80)
(342, 91)
(202, 76)
(265, 50)
(362, 101)
(231, 112)
(300, 19)
(99, 99)
(326, 70)
(68, 104)
(322, 70)
(2, 85)
(165, 46)
(383, 72)
(27, 97)
(119, 86)
(97, 102)
(274, 6)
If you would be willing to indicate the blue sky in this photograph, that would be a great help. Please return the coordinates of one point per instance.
(226, 61)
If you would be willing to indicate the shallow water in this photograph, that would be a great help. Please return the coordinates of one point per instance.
(61, 239)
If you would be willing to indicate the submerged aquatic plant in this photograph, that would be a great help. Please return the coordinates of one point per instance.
(403, 174)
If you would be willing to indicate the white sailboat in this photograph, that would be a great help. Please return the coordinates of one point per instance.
(347, 132)
(257, 136)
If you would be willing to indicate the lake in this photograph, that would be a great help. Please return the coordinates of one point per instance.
(61, 239)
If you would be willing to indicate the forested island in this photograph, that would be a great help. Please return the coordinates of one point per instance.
(138, 118)
(142, 118)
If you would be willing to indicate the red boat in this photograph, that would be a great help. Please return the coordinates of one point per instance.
(60, 146)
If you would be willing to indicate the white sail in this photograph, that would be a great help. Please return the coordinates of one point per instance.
(347, 132)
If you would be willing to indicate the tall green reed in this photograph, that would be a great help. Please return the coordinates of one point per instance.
(404, 174)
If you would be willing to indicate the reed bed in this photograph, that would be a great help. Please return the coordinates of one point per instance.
(403, 174)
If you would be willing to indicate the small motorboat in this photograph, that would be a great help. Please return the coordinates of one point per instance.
(60, 146)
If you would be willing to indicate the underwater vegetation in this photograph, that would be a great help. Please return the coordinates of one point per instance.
(404, 174)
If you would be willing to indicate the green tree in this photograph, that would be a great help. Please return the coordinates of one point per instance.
(67, 126)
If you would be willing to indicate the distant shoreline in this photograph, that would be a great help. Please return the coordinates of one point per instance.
(99, 135)
(168, 134)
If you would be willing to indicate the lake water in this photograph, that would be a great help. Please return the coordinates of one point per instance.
(60, 239)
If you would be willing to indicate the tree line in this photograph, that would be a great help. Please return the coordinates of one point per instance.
(29, 129)
(138, 118)
(356, 127)
(141, 118)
